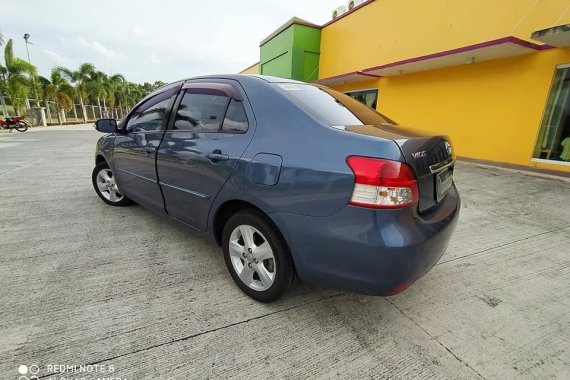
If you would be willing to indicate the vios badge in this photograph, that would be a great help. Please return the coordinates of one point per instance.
(419, 154)
(448, 148)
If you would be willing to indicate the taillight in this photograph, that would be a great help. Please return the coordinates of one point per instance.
(382, 183)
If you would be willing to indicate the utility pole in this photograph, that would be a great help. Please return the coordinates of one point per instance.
(41, 111)
(26, 38)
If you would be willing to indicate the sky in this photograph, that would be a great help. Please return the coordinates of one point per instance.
(148, 40)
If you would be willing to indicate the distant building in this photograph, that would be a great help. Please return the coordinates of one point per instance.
(493, 75)
(253, 69)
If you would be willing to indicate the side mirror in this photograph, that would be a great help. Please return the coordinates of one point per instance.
(106, 125)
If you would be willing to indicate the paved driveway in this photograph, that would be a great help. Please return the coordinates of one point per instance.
(84, 283)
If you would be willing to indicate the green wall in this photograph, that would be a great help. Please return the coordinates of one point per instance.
(293, 52)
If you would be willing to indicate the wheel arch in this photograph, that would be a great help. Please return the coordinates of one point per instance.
(100, 158)
(225, 211)
(229, 208)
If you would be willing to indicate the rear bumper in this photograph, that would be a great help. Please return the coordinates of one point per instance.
(376, 252)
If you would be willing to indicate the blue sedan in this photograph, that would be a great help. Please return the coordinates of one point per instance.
(293, 180)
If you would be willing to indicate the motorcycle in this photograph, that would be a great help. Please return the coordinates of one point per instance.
(17, 122)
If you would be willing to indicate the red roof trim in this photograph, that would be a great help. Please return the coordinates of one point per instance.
(368, 75)
(463, 49)
(498, 41)
(347, 75)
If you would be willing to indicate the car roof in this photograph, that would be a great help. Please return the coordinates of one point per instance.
(238, 77)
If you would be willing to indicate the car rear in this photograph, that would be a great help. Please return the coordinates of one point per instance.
(400, 214)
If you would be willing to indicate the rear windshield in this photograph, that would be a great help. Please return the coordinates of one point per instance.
(331, 107)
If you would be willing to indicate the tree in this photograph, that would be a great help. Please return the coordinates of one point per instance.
(80, 78)
(58, 90)
(17, 77)
(117, 91)
(150, 87)
(135, 92)
(97, 87)
(3, 73)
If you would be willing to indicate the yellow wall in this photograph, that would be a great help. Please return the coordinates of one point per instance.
(391, 30)
(492, 110)
(253, 69)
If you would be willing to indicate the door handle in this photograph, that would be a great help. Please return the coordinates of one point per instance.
(217, 155)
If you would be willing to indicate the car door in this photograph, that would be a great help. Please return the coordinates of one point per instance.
(208, 133)
(135, 149)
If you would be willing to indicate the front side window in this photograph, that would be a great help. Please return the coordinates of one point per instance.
(553, 141)
(150, 115)
(200, 112)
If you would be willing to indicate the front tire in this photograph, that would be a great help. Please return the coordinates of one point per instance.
(257, 256)
(105, 186)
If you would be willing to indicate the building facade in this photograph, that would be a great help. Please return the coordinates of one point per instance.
(492, 75)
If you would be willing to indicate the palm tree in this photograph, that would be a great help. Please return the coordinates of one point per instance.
(17, 77)
(3, 73)
(116, 91)
(60, 91)
(97, 88)
(135, 92)
(80, 78)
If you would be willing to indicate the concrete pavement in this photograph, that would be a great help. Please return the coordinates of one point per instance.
(84, 283)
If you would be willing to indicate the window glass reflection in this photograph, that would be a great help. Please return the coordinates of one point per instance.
(554, 137)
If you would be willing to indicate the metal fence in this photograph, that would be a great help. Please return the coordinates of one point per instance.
(32, 111)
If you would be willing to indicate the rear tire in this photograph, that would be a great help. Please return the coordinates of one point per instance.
(257, 256)
(106, 188)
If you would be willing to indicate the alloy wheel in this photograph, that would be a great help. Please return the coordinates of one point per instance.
(107, 186)
(252, 257)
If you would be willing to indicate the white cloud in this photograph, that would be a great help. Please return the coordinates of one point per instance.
(135, 39)
(139, 32)
(97, 48)
(152, 59)
(57, 59)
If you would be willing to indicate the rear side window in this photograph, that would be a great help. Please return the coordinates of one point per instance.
(331, 107)
(236, 119)
(200, 112)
